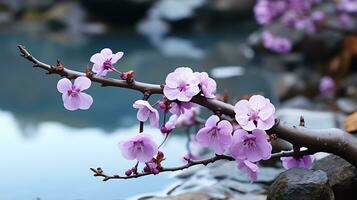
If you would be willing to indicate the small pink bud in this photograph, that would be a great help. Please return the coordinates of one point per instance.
(128, 172)
(164, 130)
(162, 105)
(146, 169)
(127, 76)
(134, 170)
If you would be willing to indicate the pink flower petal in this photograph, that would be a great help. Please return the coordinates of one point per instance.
(126, 148)
(212, 121)
(171, 93)
(267, 124)
(172, 80)
(236, 149)
(85, 101)
(253, 153)
(106, 53)
(117, 57)
(261, 140)
(82, 83)
(183, 97)
(143, 114)
(154, 119)
(64, 85)
(249, 168)
(218, 147)
(249, 126)
(71, 103)
(97, 59)
(257, 102)
(203, 138)
(241, 108)
(267, 111)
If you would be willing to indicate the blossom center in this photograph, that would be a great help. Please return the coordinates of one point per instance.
(214, 131)
(108, 64)
(183, 86)
(73, 92)
(139, 146)
(253, 115)
(249, 141)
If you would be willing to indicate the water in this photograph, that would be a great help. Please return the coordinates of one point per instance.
(46, 151)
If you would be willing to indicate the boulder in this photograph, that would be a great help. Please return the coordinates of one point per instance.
(301, 184)
(341, 174)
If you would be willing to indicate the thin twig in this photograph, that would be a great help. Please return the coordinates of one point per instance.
(99, 172)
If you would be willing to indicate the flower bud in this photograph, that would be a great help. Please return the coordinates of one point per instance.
(128, 172)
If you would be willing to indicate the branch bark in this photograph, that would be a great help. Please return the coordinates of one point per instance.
(330, 140)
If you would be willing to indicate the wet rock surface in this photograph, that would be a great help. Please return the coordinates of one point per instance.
(341, 174)
(298, 184)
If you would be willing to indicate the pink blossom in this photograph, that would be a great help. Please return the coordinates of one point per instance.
(178, 107)
(141, 147)
(181, 85)
(265, 10)
(208, 85)
(151, 167)
(344, 19)
(349, 6)
(216, 134)
(188, 117)
(169, 125)
(258, 112)
(297, 162)
(248, 168)
(252, 147)
(276, 43)
(146, 111)
(327, 86)
(72, 95)
(103, 61)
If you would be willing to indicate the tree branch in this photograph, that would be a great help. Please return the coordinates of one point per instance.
(330, 140)
(99, 172)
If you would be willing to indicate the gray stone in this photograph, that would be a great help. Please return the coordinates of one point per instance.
(301, 184)
(241, 187)
(341, 174)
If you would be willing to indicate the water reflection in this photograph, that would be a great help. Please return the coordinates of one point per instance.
(55, 164)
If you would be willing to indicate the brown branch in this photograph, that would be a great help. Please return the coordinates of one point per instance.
(330, 140)
(99, 172)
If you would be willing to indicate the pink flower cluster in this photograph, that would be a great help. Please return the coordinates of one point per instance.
(276, 43)
(72, 95)
(249, 142)
(183, 84)
(300, 15)
(293, 13)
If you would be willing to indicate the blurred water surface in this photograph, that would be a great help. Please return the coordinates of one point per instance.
(46, 151)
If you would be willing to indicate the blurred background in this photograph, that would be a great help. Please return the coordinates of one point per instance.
(46, 151)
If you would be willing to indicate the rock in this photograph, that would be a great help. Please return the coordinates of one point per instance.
(348, 105)
(240, 187)
(341, 174)
(204, 196)
(185, 196)
(298, 184)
